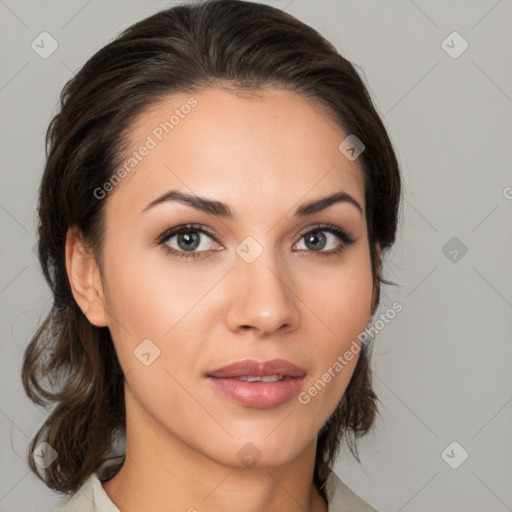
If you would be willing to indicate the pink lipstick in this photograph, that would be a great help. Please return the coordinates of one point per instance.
(258, 384)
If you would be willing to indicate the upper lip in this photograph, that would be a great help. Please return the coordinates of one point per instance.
(251, 367)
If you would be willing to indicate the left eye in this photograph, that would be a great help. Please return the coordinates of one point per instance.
(316, 240)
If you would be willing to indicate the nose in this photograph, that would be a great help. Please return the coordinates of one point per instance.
(262, 298)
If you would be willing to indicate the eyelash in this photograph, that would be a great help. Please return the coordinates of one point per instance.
(343, 235)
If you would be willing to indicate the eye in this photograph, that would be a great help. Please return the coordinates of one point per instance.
(195, 242)
(188, 241)
(317, 241)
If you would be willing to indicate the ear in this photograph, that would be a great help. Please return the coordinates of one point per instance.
(85, 279)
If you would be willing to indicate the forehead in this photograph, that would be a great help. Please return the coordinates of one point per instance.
(265, 145)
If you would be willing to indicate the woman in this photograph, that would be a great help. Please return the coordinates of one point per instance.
(218, 194)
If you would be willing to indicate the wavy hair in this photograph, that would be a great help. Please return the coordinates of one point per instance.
(71, 364)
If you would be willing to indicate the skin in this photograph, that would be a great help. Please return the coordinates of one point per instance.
(263, 156)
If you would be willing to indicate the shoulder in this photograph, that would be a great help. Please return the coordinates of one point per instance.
(342, 498)
(91, 497)
(82, 500)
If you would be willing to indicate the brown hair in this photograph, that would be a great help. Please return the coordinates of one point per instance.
(69, 362)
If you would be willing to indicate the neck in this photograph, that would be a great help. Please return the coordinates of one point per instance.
(159, 469)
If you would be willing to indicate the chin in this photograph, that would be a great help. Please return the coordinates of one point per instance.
(272, 451)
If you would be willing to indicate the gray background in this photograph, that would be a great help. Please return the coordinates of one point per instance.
(442, 366)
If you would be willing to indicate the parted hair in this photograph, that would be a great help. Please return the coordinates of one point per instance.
(71, 365)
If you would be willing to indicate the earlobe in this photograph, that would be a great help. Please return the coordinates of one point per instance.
(85, 279)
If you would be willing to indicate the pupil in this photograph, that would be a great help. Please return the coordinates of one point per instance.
(316, 236)
(190, 238)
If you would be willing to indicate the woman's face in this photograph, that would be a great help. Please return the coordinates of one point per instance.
(232, 288)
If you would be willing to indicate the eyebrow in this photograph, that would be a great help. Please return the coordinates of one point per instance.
(220, 209)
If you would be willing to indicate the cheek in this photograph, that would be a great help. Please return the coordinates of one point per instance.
(148, 301)
(340, 296)
(341, 306)
(149, 293)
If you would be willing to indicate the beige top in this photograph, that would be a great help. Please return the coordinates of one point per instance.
(91, 497)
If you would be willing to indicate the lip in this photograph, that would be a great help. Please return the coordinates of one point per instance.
(260, 395)
(258, 369)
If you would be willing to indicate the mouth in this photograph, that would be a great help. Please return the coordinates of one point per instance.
(256, 384)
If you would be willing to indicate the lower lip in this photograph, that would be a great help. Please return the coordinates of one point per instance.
(261, 395)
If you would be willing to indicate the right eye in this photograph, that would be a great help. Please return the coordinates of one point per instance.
(188, 241)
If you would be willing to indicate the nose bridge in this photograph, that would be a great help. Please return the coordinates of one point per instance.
(262, 295)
